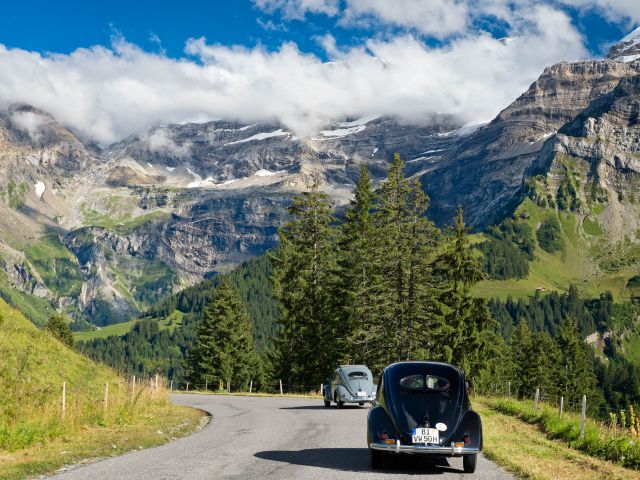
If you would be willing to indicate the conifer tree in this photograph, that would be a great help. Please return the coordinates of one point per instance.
(304, 272)
(575, 376)
(399, 316)
(466, 318)
(59, 328)
(357, 275)
(224, 349)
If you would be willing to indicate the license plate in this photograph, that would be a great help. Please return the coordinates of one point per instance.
(361, 394)
(426, 435)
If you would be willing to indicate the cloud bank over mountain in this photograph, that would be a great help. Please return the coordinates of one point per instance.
(108, 93)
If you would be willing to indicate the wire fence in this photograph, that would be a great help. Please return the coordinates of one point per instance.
(570, 401)
(219, 386)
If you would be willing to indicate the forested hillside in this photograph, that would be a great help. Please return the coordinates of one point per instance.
(148, 348)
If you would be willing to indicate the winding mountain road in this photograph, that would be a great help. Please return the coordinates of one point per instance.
(270, 438)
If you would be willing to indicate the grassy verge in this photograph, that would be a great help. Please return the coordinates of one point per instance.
(153, 426)
(36, 438)
(529, 450)
(612, 444)
(526, 451)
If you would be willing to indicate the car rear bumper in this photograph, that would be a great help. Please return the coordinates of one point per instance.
(450, 451)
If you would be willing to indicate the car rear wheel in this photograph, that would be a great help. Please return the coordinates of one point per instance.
(327, 403)
(336, 399)
(377, 459)
(469, 463)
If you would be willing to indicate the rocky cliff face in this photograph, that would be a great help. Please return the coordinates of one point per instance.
(102, 233)
(484, 170)
(597, 155)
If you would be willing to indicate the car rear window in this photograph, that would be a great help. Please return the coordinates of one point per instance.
(425, 382)
(356, 375)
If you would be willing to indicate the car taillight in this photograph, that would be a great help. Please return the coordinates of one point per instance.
(466, 439)
(384, 436)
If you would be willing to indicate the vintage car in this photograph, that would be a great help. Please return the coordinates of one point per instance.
(349, 384)
(423, 408)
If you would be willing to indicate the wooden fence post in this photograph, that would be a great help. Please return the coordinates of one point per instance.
(561, 405)
(106, 398)
(509, 389)
(250, 386)
(537, 397)
(133, 388)
(583, 416)
(156, 383)
(206, 384)
(320, 389)
(171, 386)
(228, 386)
(187, 386)
(64, 399)
(280, 387)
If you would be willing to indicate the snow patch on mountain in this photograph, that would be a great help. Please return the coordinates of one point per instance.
(343, 132)
(261, 136)
(628, 49)
(40, 188)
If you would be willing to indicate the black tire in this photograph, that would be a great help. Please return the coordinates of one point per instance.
(327, 403)
(361, 404)
(469, 463)
(340, 404)
(377, 459)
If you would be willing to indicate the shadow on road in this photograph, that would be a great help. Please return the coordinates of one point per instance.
(322, 407)
(357, 460)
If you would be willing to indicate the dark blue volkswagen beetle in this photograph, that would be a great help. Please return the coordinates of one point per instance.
(423, 408)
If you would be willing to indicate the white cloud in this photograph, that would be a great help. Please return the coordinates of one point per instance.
(30, 122)
(160, 140)
(442, 18)
(439, 18)
(627, 11)
(297, 9)
(107, 94)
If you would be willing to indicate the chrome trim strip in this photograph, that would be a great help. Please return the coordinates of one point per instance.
(451, 451)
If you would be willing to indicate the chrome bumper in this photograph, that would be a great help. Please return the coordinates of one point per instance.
(450, 451)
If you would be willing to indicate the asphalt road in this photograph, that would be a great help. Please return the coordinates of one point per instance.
(270, 438)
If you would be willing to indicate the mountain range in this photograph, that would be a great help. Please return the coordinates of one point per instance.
(102, 232)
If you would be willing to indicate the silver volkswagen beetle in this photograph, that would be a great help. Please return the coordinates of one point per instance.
(349, 384)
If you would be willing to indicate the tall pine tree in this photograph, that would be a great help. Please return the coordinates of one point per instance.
(304, 272)
(467, 319)
(224, 350)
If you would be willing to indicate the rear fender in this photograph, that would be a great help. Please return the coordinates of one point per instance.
(340, 391)
(470, 425)
(378, 422)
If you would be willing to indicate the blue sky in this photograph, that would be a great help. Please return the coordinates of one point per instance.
(63, 26)
(110, 69)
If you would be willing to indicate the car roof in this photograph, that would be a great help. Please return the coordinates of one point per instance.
(353, 367)
(426, 363)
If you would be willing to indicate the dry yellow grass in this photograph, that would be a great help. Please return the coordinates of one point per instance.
(35, 438)
(524, 450)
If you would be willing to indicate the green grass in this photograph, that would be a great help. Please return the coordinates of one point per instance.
(56, 265)
(526, 450)
(631, 345)
(599, 440)
(574, 265)
(119, 216)
(33, 433)
(119, 329)
(592, 227)
(36, 309)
